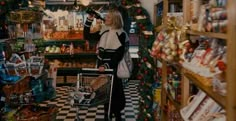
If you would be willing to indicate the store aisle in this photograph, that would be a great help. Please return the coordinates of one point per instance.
(68, 113)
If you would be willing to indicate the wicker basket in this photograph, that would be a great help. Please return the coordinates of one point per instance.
(20, 87)
(25, 16)
(36, 113)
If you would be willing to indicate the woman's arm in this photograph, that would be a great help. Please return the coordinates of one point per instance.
(116, 58)
(91, 34)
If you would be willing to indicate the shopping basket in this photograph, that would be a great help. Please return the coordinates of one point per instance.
(93, 88)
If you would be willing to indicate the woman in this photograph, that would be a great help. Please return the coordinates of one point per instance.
(111, 47)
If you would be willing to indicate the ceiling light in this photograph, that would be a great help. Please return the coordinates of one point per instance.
(85, 2)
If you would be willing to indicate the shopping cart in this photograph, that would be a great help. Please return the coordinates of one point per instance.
(93, 88)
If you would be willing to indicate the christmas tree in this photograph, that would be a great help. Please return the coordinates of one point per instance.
(147, 67)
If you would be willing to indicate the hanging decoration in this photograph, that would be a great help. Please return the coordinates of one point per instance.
(169, 42)
(3, 7)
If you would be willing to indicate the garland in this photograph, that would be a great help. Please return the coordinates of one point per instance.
(146, 63)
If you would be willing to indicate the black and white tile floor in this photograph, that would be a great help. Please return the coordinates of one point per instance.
(68, 113)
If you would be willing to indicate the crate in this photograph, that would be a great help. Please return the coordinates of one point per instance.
(36, 113)
(71, 79)
(19, 87)
(60, 79)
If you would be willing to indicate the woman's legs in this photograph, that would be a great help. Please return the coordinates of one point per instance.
(116, 113)
(118, 116)
(106, 106)
(117, 101)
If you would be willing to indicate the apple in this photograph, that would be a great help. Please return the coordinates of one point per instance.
(58, 50)
(47, 48)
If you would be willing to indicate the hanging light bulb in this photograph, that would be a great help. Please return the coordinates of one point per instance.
(30, 3)
(85, 2)
(76, 5)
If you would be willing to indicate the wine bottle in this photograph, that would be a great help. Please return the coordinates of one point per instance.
(96, 14)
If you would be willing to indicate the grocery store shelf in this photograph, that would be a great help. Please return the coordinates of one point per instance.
(208, 34)
(207, 89)
(67, 55)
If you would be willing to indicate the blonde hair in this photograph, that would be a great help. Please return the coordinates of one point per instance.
(117, 20)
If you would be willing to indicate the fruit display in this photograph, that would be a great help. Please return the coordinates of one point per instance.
(69, 49)
(53, 49)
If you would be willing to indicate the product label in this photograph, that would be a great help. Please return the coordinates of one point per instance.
(3, 99)
(157, 95)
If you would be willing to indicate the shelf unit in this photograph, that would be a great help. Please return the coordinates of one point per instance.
(165, 95)
(60, 42)
(208, 34)
(71, 64)
(68, 56)
(218, 98)
(228, 102)
(82, 56)
(176, 104)
(231, 59)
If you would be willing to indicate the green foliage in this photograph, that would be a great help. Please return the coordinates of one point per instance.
(129, 2)
(146, 63)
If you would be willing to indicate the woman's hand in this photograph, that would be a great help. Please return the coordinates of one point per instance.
(101, 68)
(91, 16)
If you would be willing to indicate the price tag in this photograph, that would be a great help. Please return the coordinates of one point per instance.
(157, 95)
(3, 98)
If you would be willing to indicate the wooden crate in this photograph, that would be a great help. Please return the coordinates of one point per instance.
(71, 79)
(60, 79)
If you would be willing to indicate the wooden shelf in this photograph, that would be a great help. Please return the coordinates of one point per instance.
(69, 71)
(64, 40)
(60, 42)
(203, 80)
(207, 89)
(175, 103)
(208, 34)
(71, 2)
(231, 59)
(67, 55)
(159, 28)
(203, 83)
(65, 84)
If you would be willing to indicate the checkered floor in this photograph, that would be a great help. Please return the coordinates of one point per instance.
(68, 113)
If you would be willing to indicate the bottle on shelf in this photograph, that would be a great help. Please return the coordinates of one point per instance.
(71, 49)
(95, 13)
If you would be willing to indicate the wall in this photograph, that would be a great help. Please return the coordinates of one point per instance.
(149, 6)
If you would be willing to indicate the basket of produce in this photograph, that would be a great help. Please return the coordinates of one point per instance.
(36, 113)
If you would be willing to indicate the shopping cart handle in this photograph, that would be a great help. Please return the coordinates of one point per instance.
(96, 70)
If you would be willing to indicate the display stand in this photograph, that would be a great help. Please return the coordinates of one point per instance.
(189, 78)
